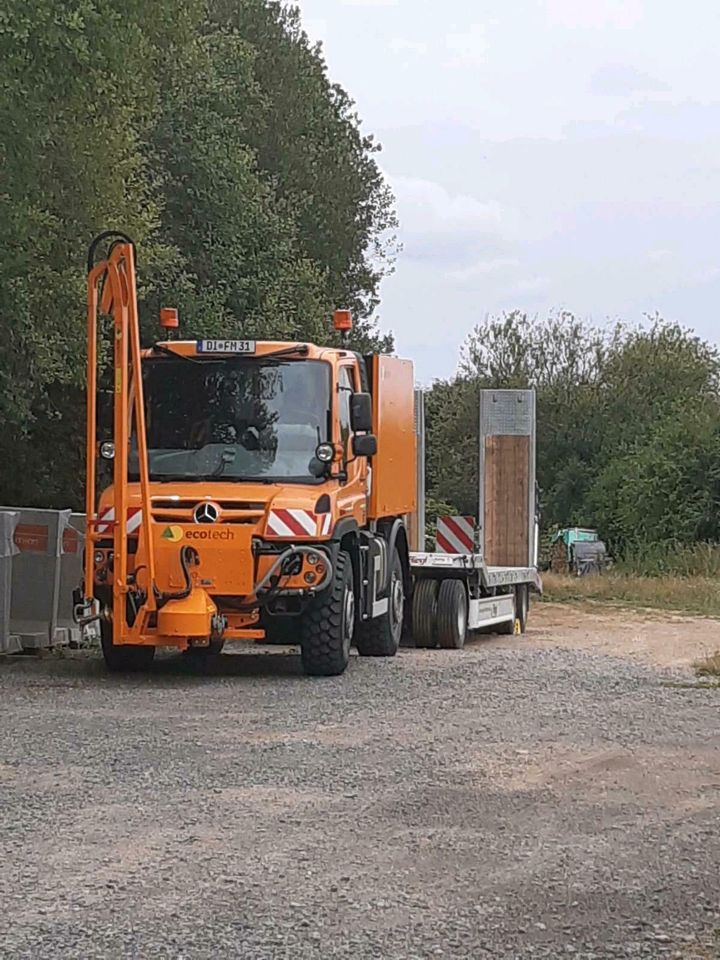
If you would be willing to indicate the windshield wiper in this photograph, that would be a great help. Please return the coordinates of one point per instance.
(228, 456)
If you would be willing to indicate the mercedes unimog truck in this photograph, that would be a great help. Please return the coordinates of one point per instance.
(258, 488)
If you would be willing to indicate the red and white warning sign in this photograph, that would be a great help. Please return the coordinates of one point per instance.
(298, 523)
(455, 534)
(106, 520)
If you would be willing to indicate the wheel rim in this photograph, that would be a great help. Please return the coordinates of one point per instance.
(348, 618)
(397, 600)
(461, 618)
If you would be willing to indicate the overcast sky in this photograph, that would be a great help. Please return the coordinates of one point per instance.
(545, 154)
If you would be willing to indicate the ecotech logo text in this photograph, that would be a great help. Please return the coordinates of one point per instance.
(175, 534)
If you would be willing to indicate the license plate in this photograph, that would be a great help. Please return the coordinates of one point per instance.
(226, 346)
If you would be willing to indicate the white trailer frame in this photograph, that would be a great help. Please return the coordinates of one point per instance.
(494, 596)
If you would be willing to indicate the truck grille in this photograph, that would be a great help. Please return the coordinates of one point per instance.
(181, 511)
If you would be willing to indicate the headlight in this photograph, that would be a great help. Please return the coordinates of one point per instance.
(107, 450)
(325, 452)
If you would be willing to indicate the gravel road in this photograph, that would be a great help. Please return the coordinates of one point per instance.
(543, 797)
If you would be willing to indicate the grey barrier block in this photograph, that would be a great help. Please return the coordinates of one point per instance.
(46, 567)
(8, 522)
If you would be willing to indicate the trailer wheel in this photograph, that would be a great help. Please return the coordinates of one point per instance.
(452, 615)
(518, 624)
(380, 637)
(424, 613)
(123, 658)
(522, 606)
(510, 627)
(327, 625)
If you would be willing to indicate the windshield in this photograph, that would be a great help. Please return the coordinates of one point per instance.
(239, 419)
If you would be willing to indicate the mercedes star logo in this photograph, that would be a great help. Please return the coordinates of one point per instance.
(206, 513)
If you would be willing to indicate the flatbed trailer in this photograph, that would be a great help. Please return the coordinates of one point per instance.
(456, 592)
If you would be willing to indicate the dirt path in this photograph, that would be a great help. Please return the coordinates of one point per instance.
(543, 797)
(658, 638)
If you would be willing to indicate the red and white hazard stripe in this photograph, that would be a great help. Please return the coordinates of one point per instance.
(106, 520)
(291, 523)
(455, 534)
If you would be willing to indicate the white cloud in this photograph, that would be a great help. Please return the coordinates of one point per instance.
(405, 45)
(469, 47)
(533, 285)
(483, 269)
(707, 275)
(451, 228)
(623, 79)
(558, 153)
(595, 14)
(660, 256)
(316, 28)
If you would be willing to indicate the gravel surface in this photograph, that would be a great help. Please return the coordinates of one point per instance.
(520, 799)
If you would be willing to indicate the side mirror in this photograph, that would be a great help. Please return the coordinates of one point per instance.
(361, 412)
(364, 446)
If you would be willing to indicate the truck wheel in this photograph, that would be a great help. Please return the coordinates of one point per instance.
(124, 658)
(452, 615)
(327, 626)
(380, 637)
(424, 612)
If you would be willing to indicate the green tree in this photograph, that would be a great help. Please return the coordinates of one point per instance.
(666, 487)
(210, 133)
(78, 98)
(627, 435)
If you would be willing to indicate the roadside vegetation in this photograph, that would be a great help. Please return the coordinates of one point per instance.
(691, 595)
(709, 667)
(628, 442)
(669, 576)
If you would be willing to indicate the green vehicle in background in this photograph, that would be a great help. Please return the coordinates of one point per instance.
(578, 550)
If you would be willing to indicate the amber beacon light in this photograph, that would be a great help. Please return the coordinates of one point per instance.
(169, 318)
(342, 321)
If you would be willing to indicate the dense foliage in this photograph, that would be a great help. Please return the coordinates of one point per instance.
(210, 132)
(628, 425)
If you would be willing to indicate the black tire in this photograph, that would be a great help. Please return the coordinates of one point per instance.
(280, 630)
(327, 625)
(452, 615)
(522, 606)
(380, 637)
(125, 658)
(424, 613)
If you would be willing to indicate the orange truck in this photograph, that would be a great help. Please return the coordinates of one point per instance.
(259, 489)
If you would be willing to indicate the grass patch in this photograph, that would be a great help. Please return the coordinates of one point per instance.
(671, 560)
(709, 666)
(683, 594)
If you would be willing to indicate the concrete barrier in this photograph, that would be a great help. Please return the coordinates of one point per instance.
(8, 523)
(45, 567)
